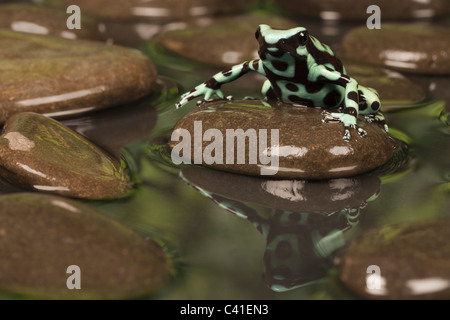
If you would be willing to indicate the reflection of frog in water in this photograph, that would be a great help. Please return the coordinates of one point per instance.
(307, 223)
(301, 70)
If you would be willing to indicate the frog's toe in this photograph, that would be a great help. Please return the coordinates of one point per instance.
(181, 103)
(347, 135)
(361, 131)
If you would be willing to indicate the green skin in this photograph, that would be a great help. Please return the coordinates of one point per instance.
(301, 70)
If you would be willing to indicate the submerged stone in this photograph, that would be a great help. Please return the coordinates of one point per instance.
(227, 41)
(245, 136)
(41, 154)
(114, 128)
(44, 20)
(395, 46)
(42, 235)
(56, 76)
(401, 261)
(357, 10)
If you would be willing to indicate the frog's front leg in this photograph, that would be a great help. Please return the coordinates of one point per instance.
(212, 86)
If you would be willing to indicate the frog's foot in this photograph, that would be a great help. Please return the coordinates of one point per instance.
(377, 117)
(201, 102)
(200, 90)
(348, 120)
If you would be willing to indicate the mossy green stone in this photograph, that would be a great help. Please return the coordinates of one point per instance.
(41, 154)
(51, 75)
(413, 260)
(42, 235)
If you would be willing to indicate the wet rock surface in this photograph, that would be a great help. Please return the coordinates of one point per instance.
(356, 10)
(43, 20)
(395, 90)
(41, 154)
(413, 261)
(307, 147)
(396, 46)
(227, 41)
(50, 75)
(156, 10)
(42, 235)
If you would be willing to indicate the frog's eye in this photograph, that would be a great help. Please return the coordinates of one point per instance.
(257, 34)
(303, 37)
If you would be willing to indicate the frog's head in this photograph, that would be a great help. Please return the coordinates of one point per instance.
(295, 42)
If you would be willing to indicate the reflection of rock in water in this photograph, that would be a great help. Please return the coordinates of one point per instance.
(307, 221)
(291, 195)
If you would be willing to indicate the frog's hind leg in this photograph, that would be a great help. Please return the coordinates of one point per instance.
(349, 114)
(369, 106)
(377, 117)
(267, 91)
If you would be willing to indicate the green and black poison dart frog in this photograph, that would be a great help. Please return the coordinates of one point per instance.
(301, 70)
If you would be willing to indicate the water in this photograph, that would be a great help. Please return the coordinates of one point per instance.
(236, 237)
(225, 230)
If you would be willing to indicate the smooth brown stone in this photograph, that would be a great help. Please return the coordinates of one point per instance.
(161, 11)
(56, 76)
(357, 10)
(308, 147)
(227, 41)
(44, 20)
(41, 235)
(395, 46)
(396, 91)
(413, 260)
(41, 154)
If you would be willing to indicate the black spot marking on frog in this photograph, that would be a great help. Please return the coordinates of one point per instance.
(352, 95)
(375, 106)
(332, 99)
(299, 100)
(313, 87)
(351, 111)
(213, 84)
(362, 101)
(227, 72)
(280, 65)
(323, 57)
(292, 87)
